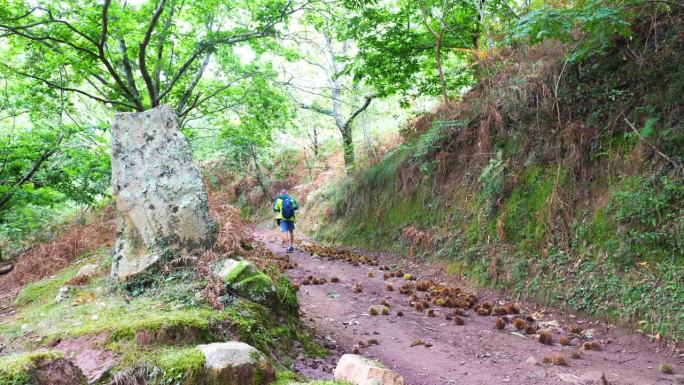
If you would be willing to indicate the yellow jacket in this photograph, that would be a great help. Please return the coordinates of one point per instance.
(278, 204)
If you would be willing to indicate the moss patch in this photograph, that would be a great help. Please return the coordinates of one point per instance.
(15, 368)
(257, 326)
(44, 290)
(289, 378)
(245, 280)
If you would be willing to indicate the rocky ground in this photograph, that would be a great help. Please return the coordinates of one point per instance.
(433, 350)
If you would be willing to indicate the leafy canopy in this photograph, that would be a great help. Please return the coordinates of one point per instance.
(132, 56)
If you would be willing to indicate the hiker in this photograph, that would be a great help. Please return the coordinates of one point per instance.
(286, 206)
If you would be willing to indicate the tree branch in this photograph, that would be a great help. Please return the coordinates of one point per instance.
(20, 32)
(127, 68)
(68, 25)
(267, 30)
(200, 50)
(8, 195)
(662, 154)
(103, 58)
(188, 92)
(160, 46)
(356, 113)
(198, 101)
(317, 109)
(57, 86)
(154, 101)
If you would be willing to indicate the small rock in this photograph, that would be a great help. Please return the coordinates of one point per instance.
(86, 271)
(531, 360)
(62, 294)
(236, 363)
(26, 328)
(6, 268)
(592, 377)
(571, 379)
(359, 370)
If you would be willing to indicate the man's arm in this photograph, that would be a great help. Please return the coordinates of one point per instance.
(275, 206)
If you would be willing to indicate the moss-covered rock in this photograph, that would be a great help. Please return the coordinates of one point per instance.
(39, 368)
(245, 280)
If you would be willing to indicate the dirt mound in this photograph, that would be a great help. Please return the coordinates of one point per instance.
(89, 355)
(56, 372)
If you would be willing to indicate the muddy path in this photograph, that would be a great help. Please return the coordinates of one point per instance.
(474, 353)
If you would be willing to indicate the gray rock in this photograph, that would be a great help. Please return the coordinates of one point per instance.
(26, 328)
(235, 363)
(360, 370)
(570, 378)
(161, 201)
(225, 267)
(62, 294)
(87, 271)
(6, 268)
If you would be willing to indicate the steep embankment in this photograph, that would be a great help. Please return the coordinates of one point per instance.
(559, 181)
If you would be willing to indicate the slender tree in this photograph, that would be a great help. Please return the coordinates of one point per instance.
(330, 60)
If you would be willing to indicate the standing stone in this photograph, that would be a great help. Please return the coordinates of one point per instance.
(161, 200)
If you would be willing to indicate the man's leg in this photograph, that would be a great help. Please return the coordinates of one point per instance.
(284, 230)
(290, 236)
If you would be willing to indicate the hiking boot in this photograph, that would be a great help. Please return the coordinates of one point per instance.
(289, 249)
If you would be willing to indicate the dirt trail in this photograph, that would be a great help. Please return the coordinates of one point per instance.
(474, 353)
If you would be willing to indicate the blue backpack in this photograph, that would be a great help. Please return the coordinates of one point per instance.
(287, 208)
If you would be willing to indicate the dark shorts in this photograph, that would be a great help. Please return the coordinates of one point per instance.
(286, 226)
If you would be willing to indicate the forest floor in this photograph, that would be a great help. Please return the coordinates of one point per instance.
(474, 353)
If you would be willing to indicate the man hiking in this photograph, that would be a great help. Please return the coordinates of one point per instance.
(286, 206)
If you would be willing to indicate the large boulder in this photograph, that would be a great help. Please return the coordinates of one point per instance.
(247, 281)
(161, 199)
(363, 371)
(236, 363)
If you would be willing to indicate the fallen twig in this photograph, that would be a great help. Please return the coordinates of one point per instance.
(675, 164)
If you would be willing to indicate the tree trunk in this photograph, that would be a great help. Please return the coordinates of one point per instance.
(316, 148)
(438, 59)
(348, 147)
(257, 172)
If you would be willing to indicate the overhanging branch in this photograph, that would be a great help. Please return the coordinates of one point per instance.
(69, 89)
